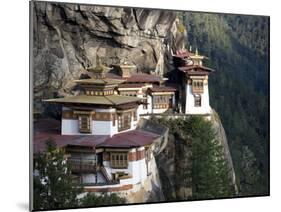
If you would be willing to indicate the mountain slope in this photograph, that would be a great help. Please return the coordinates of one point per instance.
(238, 51)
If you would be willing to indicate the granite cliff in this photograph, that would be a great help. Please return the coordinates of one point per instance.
(67, 38)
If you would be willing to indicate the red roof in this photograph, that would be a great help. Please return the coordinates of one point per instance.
(196, 69)
(131, 85)
(45, 129)
(143, 77)
(129, 139)
(50, 129)
(162, 89)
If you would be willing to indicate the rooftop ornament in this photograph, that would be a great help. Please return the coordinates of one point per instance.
(99, 70)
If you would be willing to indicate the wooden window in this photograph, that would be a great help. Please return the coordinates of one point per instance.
(84, 124)
(197, 86)
(113, 120)
(160, 102)
(124, 121)
(118, 160)
(145, 104)
(135, 115)
(197, 101)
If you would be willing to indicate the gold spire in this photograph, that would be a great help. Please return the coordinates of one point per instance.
(196, 52)
(98, 70)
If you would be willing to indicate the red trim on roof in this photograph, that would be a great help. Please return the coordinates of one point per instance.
(129, 139)
(131, 85)
(143, 77)
(46, 129)
(196, 68)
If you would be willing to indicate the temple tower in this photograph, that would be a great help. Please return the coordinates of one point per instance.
(195, 83)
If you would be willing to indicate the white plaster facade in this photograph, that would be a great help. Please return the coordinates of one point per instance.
(91, 178)
(71, 126)
(190, 107)
(137, 169)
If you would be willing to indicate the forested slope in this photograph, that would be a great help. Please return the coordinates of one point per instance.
(238, 51)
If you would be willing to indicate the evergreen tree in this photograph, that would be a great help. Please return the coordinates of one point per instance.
(250, 172)
(210, 174)
(91, 200)
(53, 184)
(206, 170)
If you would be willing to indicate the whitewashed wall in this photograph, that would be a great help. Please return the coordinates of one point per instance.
(137, 169)
(189, 103)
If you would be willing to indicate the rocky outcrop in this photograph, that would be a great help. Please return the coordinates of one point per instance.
(174, 163)
(221, 137)
(148, 191)
(67, 37)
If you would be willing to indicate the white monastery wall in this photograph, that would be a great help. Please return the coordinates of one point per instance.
(189, 104)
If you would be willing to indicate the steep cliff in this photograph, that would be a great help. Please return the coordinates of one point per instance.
(67, 37)
(175, 161)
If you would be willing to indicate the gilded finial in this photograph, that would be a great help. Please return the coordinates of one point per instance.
(190, 48)
(99, 68)
(196, 51)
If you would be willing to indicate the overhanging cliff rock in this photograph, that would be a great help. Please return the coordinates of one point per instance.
(67, 38)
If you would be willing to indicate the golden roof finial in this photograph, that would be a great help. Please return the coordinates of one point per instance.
(196, 51)
(99, 68)
(190, 48)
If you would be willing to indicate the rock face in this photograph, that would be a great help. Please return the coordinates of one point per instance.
(221, 136)
(175, 158)
(149, 191)
(67, 37)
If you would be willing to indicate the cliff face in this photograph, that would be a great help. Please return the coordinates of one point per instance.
(67, 38)
(174, 163)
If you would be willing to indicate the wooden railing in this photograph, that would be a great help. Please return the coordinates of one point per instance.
(82, 165)
(113, 182)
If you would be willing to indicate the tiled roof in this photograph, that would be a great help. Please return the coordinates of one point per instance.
(104, 81)
(162, 89)
(96, 100)
(196, 69)
(46, 129)
(131, 85)
(130, 139)
(143, 77)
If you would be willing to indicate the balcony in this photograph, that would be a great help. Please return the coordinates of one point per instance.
(82, 165)
(113, 182)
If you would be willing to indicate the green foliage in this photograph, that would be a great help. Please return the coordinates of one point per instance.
(91, 200)
(200, 162)
(210, 174)
(53, 185)
(237, 47)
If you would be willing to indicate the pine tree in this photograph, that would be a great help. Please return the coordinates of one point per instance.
(210, 174)
(53, 184)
